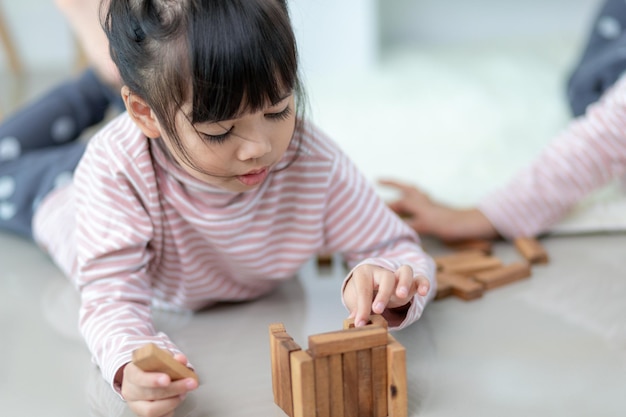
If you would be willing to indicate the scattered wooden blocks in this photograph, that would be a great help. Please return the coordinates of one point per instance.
(354, 372)
(151, 358)
(468, 273)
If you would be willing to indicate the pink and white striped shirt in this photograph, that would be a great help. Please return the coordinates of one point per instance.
(588, 154)
(134, 228)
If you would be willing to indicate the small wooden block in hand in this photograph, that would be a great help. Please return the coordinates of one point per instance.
(151, 358)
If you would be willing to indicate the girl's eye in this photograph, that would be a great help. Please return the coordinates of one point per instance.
(216, 138)
(282, 115)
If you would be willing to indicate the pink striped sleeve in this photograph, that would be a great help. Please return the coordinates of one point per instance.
(365, 231)
(113, 231)
(587, 155)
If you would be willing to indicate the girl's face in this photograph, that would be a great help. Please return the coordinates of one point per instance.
(238, 154)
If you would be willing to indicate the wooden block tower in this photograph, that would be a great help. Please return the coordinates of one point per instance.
(354, 372)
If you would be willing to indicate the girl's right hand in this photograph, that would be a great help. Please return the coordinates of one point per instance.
(154, 394)
(428, 217)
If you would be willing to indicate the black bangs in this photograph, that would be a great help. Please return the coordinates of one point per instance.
(246, 58)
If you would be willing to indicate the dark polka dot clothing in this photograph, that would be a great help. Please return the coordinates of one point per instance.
(38, 147)
(603, 59)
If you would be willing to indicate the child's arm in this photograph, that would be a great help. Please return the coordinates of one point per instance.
(389, 267)
(586, 156)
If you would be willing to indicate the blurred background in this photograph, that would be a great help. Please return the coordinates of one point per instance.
(453, 96)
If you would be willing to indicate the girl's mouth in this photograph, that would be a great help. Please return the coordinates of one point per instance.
(254, 177)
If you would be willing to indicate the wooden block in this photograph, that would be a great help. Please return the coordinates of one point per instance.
(350, 384)
(472, 265)
(151, 358)
(341, 341)
(277, 332)
(442, 260)
(462, 286)
(471, 244)
(397, 394)
(444, 289)
(324, 260)
(531, 250)
(285, 398)
(335, 374)
(364, 375)
(302, 384)
(504, 275)
(322, 386)
(375, 319)
(379, 381)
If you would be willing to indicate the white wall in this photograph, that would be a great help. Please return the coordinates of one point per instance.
(40, 33)
(447, 21)
(338, 35)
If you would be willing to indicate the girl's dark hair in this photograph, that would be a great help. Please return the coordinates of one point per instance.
(226, 56)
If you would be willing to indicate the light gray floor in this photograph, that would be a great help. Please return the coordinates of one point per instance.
(531, 348)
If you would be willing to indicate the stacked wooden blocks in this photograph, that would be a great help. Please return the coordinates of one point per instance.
(472, 269)
(354, 372)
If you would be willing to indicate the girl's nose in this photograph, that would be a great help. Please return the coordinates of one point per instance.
(254, 147)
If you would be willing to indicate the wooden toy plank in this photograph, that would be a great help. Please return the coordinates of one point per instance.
(444, 288)
(397, 395)
(322, 386)
(285, 399)
(451, 258)
(462, 286)
(364, 375)
(483, 245)
(302, 384)
(276, 332)
(324, 260)
(379, 381)
(471, 265)
(341, 341)
(375, 319)
(151, 358)
(335, 374)
(531, 250)
(350, 381)
(504, 275)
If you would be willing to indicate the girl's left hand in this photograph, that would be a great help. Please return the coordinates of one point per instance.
(372, 289)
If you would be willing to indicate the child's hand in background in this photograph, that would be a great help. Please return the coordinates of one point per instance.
(151, 394)
(428, 217)
(373, 289)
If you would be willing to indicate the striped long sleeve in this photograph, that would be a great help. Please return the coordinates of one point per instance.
(588, 154)
(149, 233)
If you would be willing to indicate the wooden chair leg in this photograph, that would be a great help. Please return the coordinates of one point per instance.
(15, 62)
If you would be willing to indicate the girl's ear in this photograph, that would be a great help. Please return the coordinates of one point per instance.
(141, 114)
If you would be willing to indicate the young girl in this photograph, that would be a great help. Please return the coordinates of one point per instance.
(210, 188)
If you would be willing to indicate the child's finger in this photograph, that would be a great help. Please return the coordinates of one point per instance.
(386, 288)
(423, 286)
(396, 184)
(406, 282)
(363, 285)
